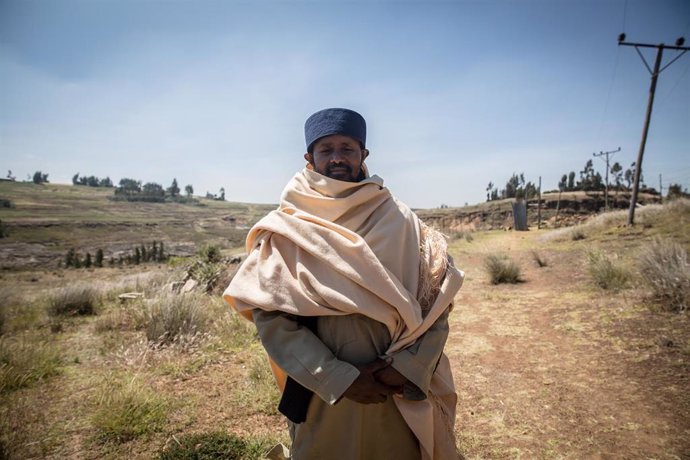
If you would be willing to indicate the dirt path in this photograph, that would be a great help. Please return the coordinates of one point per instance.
(554, 368)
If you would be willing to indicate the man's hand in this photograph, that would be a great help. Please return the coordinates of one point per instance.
(366, 389)
(391, 377)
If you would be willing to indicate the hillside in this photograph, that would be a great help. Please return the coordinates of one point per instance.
(44, 221)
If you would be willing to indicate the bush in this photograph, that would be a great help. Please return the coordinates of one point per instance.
(215, 445)
(665, 268)
(176, 316)
(23, 362)
(605, 273)
(577, 234)
(126, 409)
(74, 300)
(501, 269)
(210, 253)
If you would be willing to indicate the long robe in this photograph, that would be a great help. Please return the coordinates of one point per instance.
(349, 254)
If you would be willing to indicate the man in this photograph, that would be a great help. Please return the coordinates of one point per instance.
(350, 294)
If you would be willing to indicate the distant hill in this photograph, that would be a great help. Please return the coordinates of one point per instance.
(44, 221)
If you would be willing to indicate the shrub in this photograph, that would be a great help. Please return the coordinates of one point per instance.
(665, 268)
(176, 316)
(74, 300)
(126, 409)
(24, 361)
(501, 269)
(605, 273)
(210, 253)
(577, 234)
(215, 445)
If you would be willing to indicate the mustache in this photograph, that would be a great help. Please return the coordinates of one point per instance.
(332, 166)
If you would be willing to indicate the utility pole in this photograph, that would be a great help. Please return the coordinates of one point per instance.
(652, 88)
(539, 206)
(661, 193)
(606, 190)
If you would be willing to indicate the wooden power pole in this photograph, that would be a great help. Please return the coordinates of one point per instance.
(652, 88)
(606, 190)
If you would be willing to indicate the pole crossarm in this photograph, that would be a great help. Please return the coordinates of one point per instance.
(660, 45)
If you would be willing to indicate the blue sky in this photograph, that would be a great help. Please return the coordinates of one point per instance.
(455, 93)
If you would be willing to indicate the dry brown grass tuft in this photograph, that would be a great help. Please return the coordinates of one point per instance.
(501, 269)
(665, 268)
(26, 359)
(77, 300)
(177, 317)
(607, 273)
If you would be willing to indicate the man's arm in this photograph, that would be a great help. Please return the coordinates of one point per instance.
(305, 358)
(414, 366)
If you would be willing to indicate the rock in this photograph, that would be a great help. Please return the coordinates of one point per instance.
(189, 286)
(174, 287)
(130, 296)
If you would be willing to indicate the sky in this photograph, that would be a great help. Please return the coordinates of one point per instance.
(456, 94)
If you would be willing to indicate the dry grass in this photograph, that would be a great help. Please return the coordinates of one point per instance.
(125, 408)
(501, 269)
(77, 300)
(606, 273)
(665, 268)
(214, 445)
(26, 359)
(173, 317)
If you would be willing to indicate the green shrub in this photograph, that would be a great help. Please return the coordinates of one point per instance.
(501, 269)
(209, 253)
(74, 300)
(605, 273)
(215, 445)
(127, 409)
(24, 361)
(665, 268)
(175, 316)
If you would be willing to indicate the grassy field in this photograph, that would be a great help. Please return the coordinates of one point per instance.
(552, 366)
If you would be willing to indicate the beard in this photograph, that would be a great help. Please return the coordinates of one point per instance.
(340, 172)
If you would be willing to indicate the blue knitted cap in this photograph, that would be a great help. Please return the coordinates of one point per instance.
(335, 121)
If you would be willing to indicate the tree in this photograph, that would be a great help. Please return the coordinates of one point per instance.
(489, 188)
(69, 258)
(92, 181)
(40, 178)
(87, 261)
(153, 190)
(128, 187)
(105, 182)
(189, 190)
(161, 252)
(75, 179)
(173, 190)
(99, 258)
(563, 184)
(617, 173)
(144, 255)
(676, 191)
(10, 176)
(137, 256)
(571, 181)
(221, 197)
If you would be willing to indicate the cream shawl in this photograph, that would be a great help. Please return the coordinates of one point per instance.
(338, 248)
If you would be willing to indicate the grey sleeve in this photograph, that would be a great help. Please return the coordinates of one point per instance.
(418, 361)
(303, 356)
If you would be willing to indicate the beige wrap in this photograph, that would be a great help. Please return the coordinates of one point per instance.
(339, 248)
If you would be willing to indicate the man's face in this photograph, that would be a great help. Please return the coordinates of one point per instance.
(338, 157)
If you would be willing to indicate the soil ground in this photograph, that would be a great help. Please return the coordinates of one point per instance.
(552, 367)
